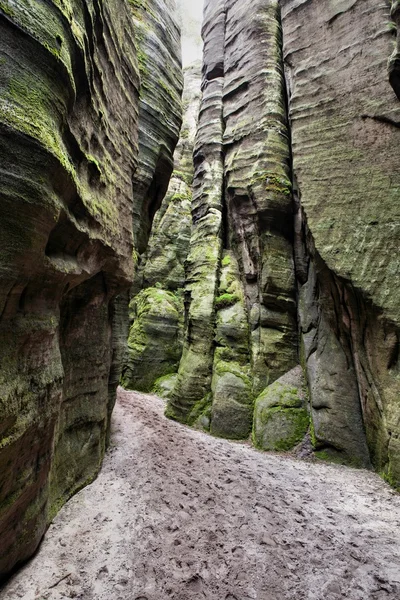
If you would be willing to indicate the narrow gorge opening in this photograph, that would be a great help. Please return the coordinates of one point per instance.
(199, 272)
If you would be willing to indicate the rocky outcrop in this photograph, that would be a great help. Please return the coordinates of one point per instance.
(157, 304)
(242, 331)
(280, 413)
(294, 248)
(69, 100)
(345, 125)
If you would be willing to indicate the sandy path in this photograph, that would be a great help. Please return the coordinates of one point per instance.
(178, 514)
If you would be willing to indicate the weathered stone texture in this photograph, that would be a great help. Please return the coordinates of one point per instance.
(318, 212)
(158, 42)
(280, 413)
(156, 309)
(69, 96)
(194, 375)
(345, 127)
(241, 325)
(164, 259)
(154, 342)
(258, 186)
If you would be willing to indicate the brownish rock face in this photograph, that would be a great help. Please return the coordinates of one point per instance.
(242, 330)
(295, 157)
(69, 120)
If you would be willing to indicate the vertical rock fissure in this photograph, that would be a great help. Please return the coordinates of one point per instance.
(248, 314)
(190, 400)
(159, 305)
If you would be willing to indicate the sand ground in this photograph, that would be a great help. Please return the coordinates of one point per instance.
(177, 514)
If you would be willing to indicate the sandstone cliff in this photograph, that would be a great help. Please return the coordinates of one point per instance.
(242, 330)
(345, 125)
(72, 220)
(157, 304)
(294, 250)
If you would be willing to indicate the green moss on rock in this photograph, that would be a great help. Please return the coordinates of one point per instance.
(155, 338)
(279, 429)
(280, 416)
(164, 386)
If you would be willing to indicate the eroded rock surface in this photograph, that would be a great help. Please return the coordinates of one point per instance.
(69, 108)
(280, 414)
(345, 125)
(304, 208)
(157, 305)
(241, 333)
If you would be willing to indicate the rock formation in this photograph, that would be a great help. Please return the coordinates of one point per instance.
(283, 311)
(73, 217)
(294, 249)
(345, 125)
(242, 329)
(157, 304)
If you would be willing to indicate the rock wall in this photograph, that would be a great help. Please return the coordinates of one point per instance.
(69, 107)
(157, 304)
(294, 247)
(242, 329)
(345, 124)
(156, 30)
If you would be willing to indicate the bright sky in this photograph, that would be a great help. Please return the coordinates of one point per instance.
(192, 18)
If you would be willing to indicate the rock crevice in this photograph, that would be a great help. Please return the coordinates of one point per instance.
(242, 329)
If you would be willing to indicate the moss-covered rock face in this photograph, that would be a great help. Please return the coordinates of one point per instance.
(344, 132)
(241, 321)
(160, 108)
(320, 215)
(231, 385)
(154, 341)
(157, 309)
(69, 106)
(281, 419)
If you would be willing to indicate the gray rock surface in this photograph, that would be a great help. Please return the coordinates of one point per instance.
(157, 307)
(157, 39)
(344, 119)
(242, 212)
(321, 186)
(69, 135)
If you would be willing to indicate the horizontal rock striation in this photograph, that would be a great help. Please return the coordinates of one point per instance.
(241, 324)
(345, 126)
(69, 106)
(157, 39)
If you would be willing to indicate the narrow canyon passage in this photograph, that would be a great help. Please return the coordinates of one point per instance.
(176, 513)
